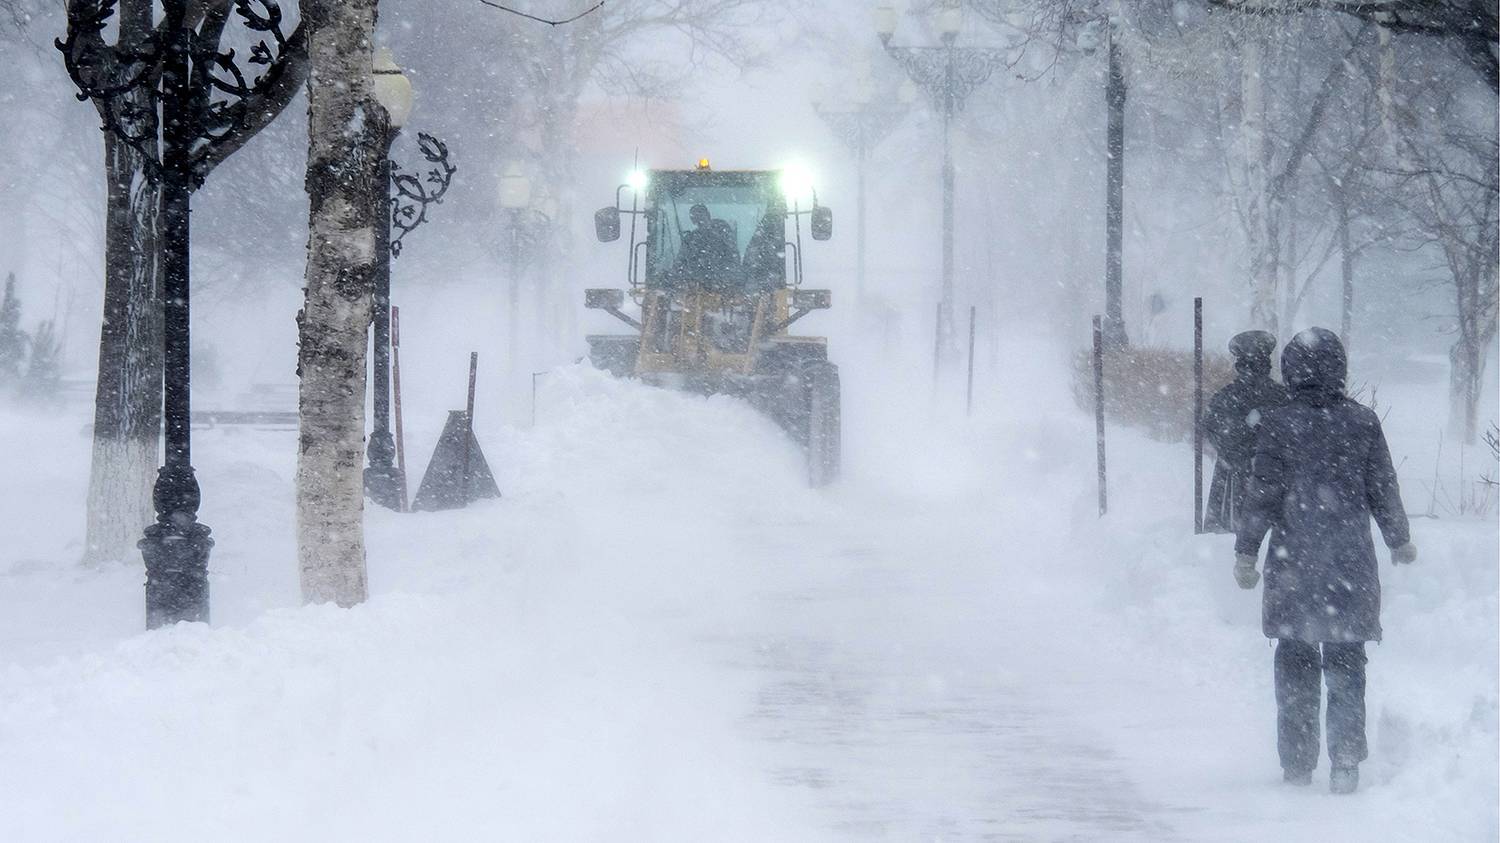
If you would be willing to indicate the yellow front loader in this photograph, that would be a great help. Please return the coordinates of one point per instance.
(708, 276)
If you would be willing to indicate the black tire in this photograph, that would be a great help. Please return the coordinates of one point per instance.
(824, 426)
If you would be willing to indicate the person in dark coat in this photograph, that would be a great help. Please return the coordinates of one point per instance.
(1233, 415)
(709, 253)
(1320, 472)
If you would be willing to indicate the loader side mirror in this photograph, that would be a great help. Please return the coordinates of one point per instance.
(607, 224)
(822, 222)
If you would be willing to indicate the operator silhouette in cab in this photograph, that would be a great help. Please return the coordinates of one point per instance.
(709, 255)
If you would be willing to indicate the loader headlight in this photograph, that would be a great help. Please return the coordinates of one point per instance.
(638, 180)
(796, 183)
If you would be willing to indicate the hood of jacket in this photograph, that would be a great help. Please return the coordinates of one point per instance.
(1314, 366)
(1252, 351)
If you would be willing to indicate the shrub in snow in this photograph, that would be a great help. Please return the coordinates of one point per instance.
(12, 338)
(1150, 388)
(43, 372)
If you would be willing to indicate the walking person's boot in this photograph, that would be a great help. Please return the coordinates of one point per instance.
(1343, 780)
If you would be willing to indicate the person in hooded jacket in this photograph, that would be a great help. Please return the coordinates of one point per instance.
(1321, 471)
(1233, 415)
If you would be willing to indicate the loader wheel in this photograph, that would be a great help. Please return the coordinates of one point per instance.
(824, 429)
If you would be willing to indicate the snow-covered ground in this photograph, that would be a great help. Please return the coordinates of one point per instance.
(660, 634)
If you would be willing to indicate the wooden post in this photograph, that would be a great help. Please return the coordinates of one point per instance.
(396, 404)
(1099, 412)
(469, 420)
(1198, 415)
(969, 396)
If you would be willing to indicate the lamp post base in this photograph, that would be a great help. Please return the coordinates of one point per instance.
(383, 480)
(176, 557)
(383, 486)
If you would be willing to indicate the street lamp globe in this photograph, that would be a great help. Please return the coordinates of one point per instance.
(515, 189)
(906, 94)
(885, 17)
(862, 91)
(392, 88)
(949, 21)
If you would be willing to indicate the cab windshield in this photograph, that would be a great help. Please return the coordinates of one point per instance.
(722, 232)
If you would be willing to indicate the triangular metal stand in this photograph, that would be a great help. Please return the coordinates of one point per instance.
(443, 485)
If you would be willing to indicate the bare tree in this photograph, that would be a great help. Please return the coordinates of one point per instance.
(346, 195)
(619, 50)
(127, 398)
(1471, 28)
(1445, 154)
(1447, 178)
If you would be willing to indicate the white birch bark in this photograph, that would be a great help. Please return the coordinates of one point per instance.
(343, 125)
(1255, 144)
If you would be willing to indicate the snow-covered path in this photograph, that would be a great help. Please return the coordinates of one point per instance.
(898, 704)
(659, 634)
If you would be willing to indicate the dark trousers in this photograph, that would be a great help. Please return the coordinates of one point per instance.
(1298, 692)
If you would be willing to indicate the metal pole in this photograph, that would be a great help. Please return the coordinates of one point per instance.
(396, 389)
(1346, 270)
(945, 312)
(937, 347)
(176, 547)
(515, 287)
(1099, 413)
(1198, 415)
(969, 397)
(534, 376)
(382, 480)
(1114, 212)
(469, 423)
(859, 217)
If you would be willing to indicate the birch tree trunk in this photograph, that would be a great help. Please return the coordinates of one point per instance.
(127, 401)
(1260, 219)
(344, 123)
(1474, 285)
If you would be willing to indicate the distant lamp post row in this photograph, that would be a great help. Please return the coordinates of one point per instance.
(862, 122)
(528, 223)
(948, 74)
(409, 198)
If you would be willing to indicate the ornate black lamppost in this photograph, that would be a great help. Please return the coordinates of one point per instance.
(948, 74)
(862, 124)
(206, 105)
(527, 227)
(409, 198)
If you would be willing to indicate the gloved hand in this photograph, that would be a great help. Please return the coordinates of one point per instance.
(1244, 571)
(1404, 555)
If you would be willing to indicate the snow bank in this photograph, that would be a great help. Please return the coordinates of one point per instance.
(660, 633)
(519, 674)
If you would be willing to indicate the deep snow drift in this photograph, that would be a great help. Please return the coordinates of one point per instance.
(659, 633)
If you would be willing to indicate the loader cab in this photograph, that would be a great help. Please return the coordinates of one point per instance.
(720, 232)
(740, 243)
